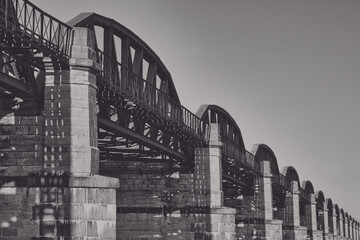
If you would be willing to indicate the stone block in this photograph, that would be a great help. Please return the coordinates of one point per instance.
(9, 232)
(21, 130)
(90, 211)
(7, 130)
(108, 229)
(7, 190)
(69, 211)
(24, 161)
(84, 37)
(104, 196)
(92, 228)
(108, 212)
(78, 228)
(64, 228)
(6, 160)
(28, 230)
(95, 181)
(8, 119)
(32, 120)
(78, 195)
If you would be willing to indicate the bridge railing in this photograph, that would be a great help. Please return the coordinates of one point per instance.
(233, 150)
(129, 85)
(42, 29)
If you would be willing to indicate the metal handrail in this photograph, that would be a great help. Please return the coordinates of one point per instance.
(49, 33)
(232, 149)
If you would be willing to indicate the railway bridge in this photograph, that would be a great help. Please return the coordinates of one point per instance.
(95, 144)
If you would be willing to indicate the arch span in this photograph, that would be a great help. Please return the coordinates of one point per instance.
(337, 210)
(346, 215)
(338, 223)
(342, 213)
(291, 175)
(320, 197)
(229, 129)
(330, 208)
(262, 152)
(330, 205)
(129, 42)
(308, 187)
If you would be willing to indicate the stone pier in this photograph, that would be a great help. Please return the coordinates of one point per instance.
(310, 211)
(291, 227)
(273, 227)
(49, 186)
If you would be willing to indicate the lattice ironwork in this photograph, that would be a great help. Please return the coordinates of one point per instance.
(27, 35)
(141, 117)
(28, 24)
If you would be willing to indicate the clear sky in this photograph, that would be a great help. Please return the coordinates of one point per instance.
(286, 70)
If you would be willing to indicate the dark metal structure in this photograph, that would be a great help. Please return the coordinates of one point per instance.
(140, 117)
(140, 112)
(27, 35)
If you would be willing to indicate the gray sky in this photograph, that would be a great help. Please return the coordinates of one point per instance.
(287, 71)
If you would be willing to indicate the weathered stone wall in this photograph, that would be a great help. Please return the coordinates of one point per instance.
(154, 202)
(35, 203)
(16, 212)
(295, 233)
(21, 142)
(251, 214)
(49, 157)
(273, 229)
(56, 206)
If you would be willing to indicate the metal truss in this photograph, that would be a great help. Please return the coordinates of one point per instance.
(27, 35)
(140, 117)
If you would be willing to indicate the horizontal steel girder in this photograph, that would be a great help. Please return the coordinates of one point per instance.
(119, 130)
(12, 84)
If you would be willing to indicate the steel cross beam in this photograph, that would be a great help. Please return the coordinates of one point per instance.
(12, 84)
(120, 130)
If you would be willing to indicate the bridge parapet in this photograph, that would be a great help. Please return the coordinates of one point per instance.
(34, 28)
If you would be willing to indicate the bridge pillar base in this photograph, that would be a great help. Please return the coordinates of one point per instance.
(39, 206)
(315, 234)
(294, 232)
(273, 229)
(222, 223)
(331, 236)
(70, 110)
